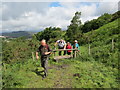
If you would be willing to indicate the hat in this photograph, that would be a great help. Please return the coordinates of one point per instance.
(76, 41)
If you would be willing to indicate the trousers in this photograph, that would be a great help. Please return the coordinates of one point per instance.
(44, 64)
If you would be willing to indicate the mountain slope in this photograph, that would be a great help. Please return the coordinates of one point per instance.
(18, 34)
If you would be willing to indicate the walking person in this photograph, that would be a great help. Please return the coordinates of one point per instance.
(44, 51)
(61, 45)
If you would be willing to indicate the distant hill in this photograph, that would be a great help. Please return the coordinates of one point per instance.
(17, 34)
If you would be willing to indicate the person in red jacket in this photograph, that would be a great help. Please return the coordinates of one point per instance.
(68, 46)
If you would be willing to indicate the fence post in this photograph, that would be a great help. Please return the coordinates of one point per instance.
(74, 53)
(89, 49)
(112, 44)
(54, 53)
(33, 56)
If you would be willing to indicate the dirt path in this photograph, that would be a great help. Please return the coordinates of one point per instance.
(63, 77)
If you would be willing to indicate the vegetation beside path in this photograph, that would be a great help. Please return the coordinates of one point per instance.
(67, 73)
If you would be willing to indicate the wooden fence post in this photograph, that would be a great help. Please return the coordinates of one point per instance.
(33, 56)
(89, 49)
(112, 44)
(54, 53)
(75, 54)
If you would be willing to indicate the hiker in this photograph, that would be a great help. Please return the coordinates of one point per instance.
(61, 45)
(76, 45)
(44, 52)
(68, 46)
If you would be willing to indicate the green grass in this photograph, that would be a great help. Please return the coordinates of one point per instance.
(67, 73)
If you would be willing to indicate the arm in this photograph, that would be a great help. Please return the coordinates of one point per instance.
(44, 53)
(65, 46)
(49, 51)
(55, 44)
(37, 57)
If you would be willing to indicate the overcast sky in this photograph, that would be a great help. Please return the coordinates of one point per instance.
(29, 16)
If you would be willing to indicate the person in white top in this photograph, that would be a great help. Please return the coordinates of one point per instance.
(61, 45)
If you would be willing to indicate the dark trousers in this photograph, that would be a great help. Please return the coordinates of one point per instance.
(69, 53)
(44, 64)
(61, 51)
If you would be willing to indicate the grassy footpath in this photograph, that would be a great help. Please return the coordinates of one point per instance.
(68, 73)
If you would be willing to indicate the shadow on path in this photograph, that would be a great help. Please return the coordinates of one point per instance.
(38, 72)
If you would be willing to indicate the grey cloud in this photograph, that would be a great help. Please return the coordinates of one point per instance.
(15, 9)
(36, 16)
(107, 7)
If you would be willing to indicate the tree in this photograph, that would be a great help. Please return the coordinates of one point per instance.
(49, 33)
(115, 16)
(73, 31)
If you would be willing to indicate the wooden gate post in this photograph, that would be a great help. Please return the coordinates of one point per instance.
(74, 54)
(54, 53)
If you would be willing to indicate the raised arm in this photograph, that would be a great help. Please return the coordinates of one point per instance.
(65, 45)
(55, 43)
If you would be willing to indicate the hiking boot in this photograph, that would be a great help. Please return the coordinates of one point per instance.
(43, 77)
(45, 74)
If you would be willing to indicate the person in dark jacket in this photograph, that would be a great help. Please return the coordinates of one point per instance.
(44, 50)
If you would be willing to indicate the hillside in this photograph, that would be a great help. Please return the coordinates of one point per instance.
(104, 43)
(105, 33)
(16, 34)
